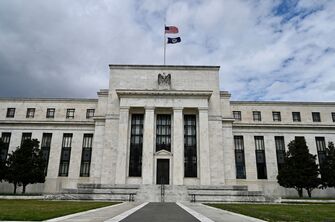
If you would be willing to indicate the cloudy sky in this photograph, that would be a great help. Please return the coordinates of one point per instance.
(267, 49)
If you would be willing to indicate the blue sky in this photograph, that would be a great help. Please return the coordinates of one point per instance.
(267, 49)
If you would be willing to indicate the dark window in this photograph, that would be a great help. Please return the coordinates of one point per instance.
(163, 132)
(321, 148)
(239, 157)
(237, 115)
(276, 116)
(90, 113)
(136, 145)
(257, 115)
(260, 157)
(86, 155)
(70, 113)
(10, 112)
(50, 113)
(5, 137)
(45, 148)
(25, 136)
(333, 116)
(316, 117)
(65, 155)
(30, 113)
(280, 150)
(296, 117)
(190, 146)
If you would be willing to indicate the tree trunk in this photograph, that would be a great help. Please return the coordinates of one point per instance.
(309, 191)
(24, 188)
(300, 192)
(14, 188)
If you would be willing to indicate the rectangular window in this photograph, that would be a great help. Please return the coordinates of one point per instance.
(296, 117)
(237, 115)
(276, 116)
(257, 115)
(260, 157)
(280, 150)
(10, 112)
(25, 136)
(90, 113)
(190, 146)
(333, 116)
(316, 117)
(86, 155)
(321, 148)
(5, 137)
(30, 113)
(163, 132)
(50, 113)
(239, 157)
(45, 148)
(65, 155)
(70, 113)
(136, 145)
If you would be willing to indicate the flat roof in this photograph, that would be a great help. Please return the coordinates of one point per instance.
(280, 103)
(48, 99)
(163, 67)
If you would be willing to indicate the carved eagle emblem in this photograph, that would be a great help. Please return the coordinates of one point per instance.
(164, 79)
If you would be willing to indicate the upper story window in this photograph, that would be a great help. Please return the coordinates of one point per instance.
(30, 113)
(276, 116)
(257, 115)
(10, 112)
(333, 116)
(237, 115)
(316, 117)
(296, 117)
(70, 113)
(89, 113)
(50, 113)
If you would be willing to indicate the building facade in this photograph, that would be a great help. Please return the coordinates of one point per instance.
(164, 125)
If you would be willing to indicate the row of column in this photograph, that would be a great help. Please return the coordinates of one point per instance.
(177, 145)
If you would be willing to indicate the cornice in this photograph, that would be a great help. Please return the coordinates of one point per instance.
(140, 93)
(291, 126)
(163, 67)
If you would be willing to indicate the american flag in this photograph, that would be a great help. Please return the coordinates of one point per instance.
(171, 29)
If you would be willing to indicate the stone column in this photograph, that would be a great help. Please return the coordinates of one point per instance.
(204, 147)
(148, 146)
(178, 146)
(121, 163)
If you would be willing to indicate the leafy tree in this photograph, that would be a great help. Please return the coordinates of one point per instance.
(26, 165)
(299, 170)
(328, 167)
(3, 167)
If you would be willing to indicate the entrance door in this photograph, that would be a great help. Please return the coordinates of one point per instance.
(163, 171)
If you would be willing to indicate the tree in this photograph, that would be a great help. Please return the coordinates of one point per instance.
(299, 170)
(26, 165)
(3, 167)
(328, 167)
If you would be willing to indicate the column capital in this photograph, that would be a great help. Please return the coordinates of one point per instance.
(177, 108)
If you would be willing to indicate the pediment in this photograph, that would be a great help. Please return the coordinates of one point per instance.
(163, 153)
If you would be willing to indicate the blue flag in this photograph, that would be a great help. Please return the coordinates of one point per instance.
(173, 40)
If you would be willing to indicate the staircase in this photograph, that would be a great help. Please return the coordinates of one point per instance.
(152, 193)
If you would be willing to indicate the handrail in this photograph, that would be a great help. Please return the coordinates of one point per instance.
(162, 190)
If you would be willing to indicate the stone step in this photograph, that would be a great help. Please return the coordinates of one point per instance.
(222, 187)
(107, 186)
(225, 193)
(229, 199)
(100, 191)
(72, 196)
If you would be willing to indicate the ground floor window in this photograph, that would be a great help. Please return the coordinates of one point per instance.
(65, 155)
(86, 155)
(5, 137)
(190, 146)
(239, 157)
(45, 148)
(280, 151)
(136, 144)
(260, 157)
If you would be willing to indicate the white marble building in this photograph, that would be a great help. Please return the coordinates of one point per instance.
(164, 124)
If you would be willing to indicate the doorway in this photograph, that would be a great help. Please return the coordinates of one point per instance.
(163, 171)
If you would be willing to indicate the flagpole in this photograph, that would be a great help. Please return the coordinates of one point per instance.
(164, 43)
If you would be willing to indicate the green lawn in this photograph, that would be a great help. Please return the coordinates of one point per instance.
(284, 212)
(42, 210)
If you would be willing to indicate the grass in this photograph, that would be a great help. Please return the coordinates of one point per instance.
(284, 212)
(37, 210)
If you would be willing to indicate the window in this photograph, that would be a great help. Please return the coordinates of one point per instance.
(260, 157)
(86, 155)
(237, 115)
(70, 113)
(257, 115)
(296, 117)
(333, 116)
(280, 150)
(65, 155)
(30, 113)
(10, 112)
(276, 116)
(136, 145)
(321, 148)
(163, 132)
(316, 117)
(190, 146)
(25, 136)
(45, 148)
(50, 113)
(239, 157)
(89, 113)
(5, 137)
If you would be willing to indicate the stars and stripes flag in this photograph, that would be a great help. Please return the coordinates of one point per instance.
(169, 40)
(171, 29)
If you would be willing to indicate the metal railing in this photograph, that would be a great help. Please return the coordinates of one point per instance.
(162, 190)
